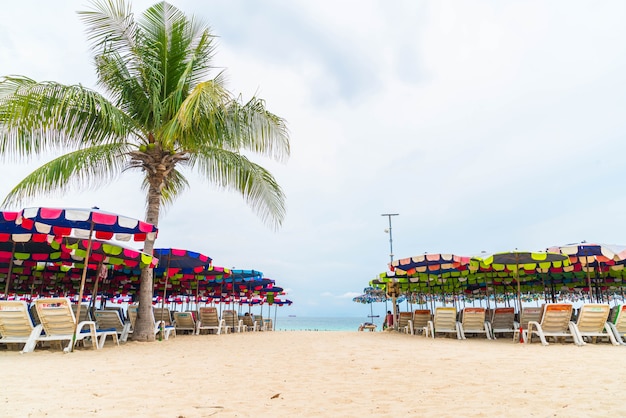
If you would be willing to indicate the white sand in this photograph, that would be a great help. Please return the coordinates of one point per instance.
(334, 374)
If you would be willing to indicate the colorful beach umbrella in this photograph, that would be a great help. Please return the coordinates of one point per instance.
(592, 256)
(514, 261)
(85, 223)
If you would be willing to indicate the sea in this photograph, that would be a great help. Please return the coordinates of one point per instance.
(311, 323)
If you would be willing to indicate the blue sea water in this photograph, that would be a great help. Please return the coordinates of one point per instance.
(299, 323)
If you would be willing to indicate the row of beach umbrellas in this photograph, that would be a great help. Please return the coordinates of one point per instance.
(51, 250)
(590, 266)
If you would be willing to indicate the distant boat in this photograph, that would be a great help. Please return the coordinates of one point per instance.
(291, 316)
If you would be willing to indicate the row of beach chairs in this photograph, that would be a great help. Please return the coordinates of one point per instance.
(593, 322)
(57, 321)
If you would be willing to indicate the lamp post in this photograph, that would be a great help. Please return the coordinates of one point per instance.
(389, 215)
(393, 295)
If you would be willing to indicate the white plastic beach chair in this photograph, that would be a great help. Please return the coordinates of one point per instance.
(208, 320)
(184, 321)
(111, 320)
(555, 323)
(502, 321)
(592, 323)
(444, 321)
(59, 324)
(16, 325)
(419, 323)
(473, 322)
(618, 325)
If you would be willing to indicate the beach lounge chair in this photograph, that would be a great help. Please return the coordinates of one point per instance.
(444, 321)
(258, 321)
(367, 326)
(502, 321)
(592, 323)
(268, 325)
(33, 314)
(232, 321)
(16, 325)
(555, 323)
(419, 323)
(209, 321)
(185, 322)
(84, 313)
(132, 315)
(59, 323)
(249, 323)
(163, 314)
(473, 322)
(528, 314)
(403, 321)
(618, 324)
(110, 319)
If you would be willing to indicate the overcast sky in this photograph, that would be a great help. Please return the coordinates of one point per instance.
(486, 125)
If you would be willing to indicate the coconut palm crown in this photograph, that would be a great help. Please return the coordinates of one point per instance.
(160, 112)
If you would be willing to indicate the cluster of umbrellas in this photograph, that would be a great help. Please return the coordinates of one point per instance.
(52, 251)
(595, 271)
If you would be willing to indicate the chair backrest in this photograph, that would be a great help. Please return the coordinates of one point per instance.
(84, 312)
(404, 318)
(107, 319)
(267, 323)
(473, 319)
(208, 316)
(420, 318)
(620, 319)
(556, 317)
(162, 314)
(184, 320)
(132, 314)
(530, 314)
(230, 317)
(445, 318)
(33, 314)
(15, 320)
(248, 320)
(56, 316)
(119, 310)
(592, 317)
(503, 318)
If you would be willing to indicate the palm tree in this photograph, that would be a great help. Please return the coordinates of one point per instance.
(160, 113)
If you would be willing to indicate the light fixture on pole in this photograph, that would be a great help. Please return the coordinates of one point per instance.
(389, 215)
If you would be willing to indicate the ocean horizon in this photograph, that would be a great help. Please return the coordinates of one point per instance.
(312, 323)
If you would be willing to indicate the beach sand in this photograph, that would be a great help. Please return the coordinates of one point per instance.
(329, 374)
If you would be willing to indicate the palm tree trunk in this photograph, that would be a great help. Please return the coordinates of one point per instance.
(144, 326)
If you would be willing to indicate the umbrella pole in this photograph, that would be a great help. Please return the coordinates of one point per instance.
(92, 302)
(8, 283)
(82, 286)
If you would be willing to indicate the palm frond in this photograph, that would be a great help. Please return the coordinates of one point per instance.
(110, 26)
(256, 129)
(87, 168)
(37, 117)
(235, 172)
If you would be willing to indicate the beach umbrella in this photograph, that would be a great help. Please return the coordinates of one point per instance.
(14, 237)
(592, 255)
(514, 262)
(85, 223)
(174, 260)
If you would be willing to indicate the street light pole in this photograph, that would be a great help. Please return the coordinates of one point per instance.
(393, 296)
(389, 215)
